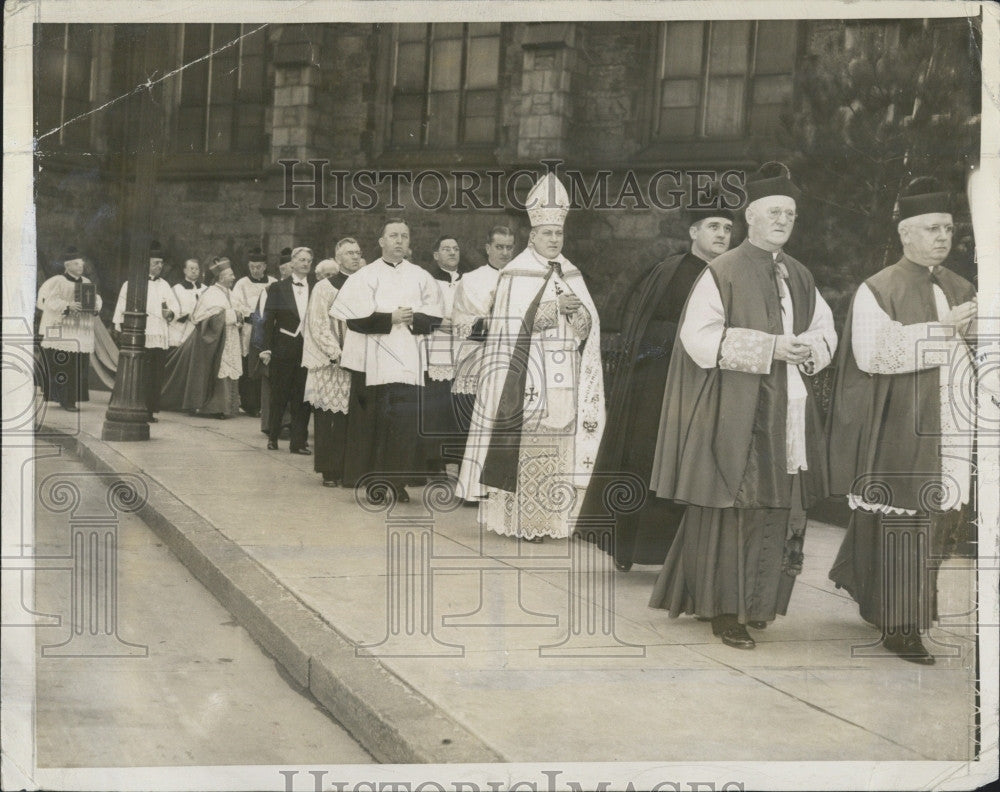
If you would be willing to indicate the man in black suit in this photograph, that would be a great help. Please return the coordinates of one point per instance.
(284, 318)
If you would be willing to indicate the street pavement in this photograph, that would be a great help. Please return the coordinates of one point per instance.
(506, 646)
(182, 684)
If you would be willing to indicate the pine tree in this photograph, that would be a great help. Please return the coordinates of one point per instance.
(896, 103)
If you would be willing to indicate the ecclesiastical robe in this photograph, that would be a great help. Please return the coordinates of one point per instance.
(67, 339)
(202, 375)
(539, 411)
(328, 385)
(246, 294)
(442, 441)
(741, 439)
(643, 531)
(389, 363)
(900, 432)
(180, 327)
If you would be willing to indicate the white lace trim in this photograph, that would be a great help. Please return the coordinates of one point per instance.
(441, 373)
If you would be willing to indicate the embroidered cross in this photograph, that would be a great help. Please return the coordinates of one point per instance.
(588, 462)
(531, 394)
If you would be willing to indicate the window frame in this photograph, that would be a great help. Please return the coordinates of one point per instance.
(700, 138)
(59, 139)
(425, 146)
(233, 102)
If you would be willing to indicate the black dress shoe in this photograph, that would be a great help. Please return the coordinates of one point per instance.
(623, 566)
(757, 625)
(70, 407)
(534, 539)
(732, 632)
(153, 419)
(304, 451)
(402, 496)
(272, 445)
(909, 647)
(737, 637)
(330, 482)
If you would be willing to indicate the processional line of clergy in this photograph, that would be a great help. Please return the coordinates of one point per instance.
(494, 378)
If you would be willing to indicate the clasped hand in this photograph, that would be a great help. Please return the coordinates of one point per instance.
(960, 317)
(789, 349)
(569, 304)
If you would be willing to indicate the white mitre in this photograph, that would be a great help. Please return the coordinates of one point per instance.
(548, 202)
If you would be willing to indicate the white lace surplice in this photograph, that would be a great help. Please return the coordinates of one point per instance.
(883, 346)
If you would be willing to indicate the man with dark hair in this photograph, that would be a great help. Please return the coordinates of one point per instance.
(387, 305)
(161, 308)
(741, 439)
(284, 321)
(652, 310)
(898, 400)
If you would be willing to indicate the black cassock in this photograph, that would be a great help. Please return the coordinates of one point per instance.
(652, 312)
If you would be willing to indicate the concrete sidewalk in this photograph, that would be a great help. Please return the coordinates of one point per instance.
(433, 643)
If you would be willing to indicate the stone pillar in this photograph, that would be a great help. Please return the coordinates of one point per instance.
(299, 132)
(546, 82)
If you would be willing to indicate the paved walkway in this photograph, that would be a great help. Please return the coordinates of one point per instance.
(502, 643)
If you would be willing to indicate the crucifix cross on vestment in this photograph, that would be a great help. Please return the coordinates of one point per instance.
(531, 393)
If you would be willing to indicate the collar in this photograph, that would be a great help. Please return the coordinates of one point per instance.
(759, 254)
(442, 274)
(919, 270)
(190, 284)
(70, 278)
(390, 264)
(298, 281)
(544, 262)
(258, 280)
(154, 277)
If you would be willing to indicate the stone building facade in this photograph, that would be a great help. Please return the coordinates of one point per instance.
(615, 102)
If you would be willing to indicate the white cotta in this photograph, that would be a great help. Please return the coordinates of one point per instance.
(158, 295)
(440, 343)
(67, 332)
(245, 294)
(177, 332)
(473, 301)
(517, 286)
(396, 356)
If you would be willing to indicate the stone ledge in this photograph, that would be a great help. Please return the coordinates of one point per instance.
(389, 718)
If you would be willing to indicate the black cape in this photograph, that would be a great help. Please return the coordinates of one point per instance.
(645, 527)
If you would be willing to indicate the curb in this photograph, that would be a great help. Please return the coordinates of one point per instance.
(392, 720)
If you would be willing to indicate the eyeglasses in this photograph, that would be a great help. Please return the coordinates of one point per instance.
(774, 213)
